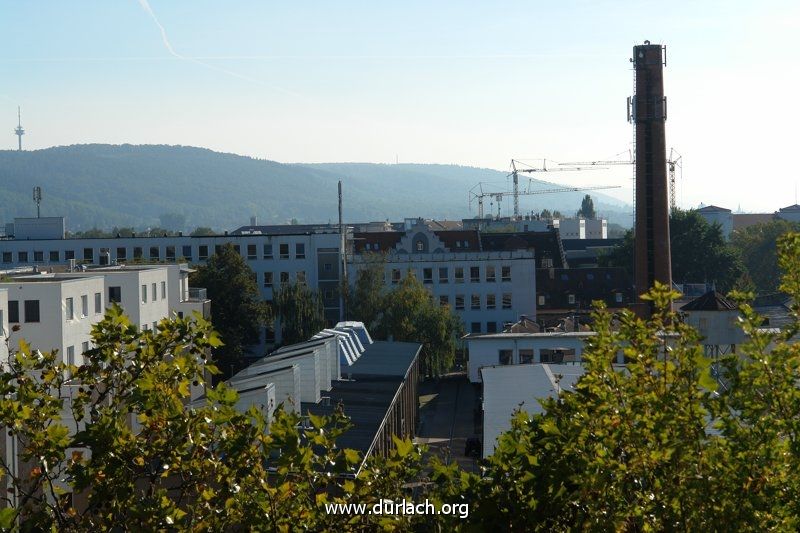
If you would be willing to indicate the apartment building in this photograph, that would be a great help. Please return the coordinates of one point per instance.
(4, 330)
(485, 282)
(54, 312)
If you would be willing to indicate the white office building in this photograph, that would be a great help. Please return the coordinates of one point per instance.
(486, 288)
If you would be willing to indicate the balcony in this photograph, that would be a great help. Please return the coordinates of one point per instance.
(195, 294)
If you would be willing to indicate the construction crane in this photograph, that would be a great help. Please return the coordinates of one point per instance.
(479, 195)
(560, 167)
(673, 162)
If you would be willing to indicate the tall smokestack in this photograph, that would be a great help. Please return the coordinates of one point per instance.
(647, 109)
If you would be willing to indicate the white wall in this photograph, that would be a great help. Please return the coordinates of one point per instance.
(4, 329)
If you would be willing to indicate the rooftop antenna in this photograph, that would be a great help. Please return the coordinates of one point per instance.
(37, 197)
(18, 131)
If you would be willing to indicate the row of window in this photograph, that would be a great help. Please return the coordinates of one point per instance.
(71, 352)
(489, 271)
(491, 327)
(154, 253)
(269, 277)
(475, 301)
(154, 294)
(31, 308)
(69, 306)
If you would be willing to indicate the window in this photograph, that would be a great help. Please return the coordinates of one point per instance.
(251, 251)
(444, 300)
(13, 311)
(571, 298)
(491, 327)
(115, 294)
(367, 246)
(376, 246)
(507, 300)
(267, 251)
(7, 257)
(38, 257)
(88, 254)
(31, 310)
(284, 277)
(328, 267)
(70, 355)
(154, 296)
(475, 301)
(122, 253)
(328, 294)
(98, 303)
(154, 252)
(490, 275)
(69, 254)
(541, 299)
(427, 275)
(202, 252)
(458, 244)
(475, 274)
(491, 301)
(284, 251)
(301, 276)
(84, 306)
(170, 253)
(395, 275)
(144, 294)
(186, 252)
(443, 275)
(420, 246)
(618, 297)
(505, 357)
(459, 302)
(69, 308)
(505, 273)
(163, 290)
(475, 327)
(466, 244)
(268, 279)
(22, 257)
(299, 251)
(459, 274)
(155, 326)
(84, 346)
(525, 357)
(137, 252)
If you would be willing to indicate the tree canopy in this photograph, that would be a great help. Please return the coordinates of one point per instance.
(237, 311)
(587, 208)
(699, 252)
(299, 311)
(757, 246)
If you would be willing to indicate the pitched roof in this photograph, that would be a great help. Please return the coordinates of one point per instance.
(710, 301)
(711, 208)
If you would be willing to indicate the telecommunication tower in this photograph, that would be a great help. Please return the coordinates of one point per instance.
(18, 131)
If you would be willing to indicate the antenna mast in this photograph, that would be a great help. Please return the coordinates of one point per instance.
(18, 131)
(37, 197)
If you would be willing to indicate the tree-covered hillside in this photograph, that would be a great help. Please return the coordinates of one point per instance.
(125, 185)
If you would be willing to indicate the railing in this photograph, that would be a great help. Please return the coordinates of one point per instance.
(196, 293)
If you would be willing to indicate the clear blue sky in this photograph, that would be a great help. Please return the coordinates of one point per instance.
(473, 83)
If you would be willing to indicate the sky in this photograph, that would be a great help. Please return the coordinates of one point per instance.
(469, 83)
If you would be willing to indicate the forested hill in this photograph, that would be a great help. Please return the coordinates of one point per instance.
(125, 185)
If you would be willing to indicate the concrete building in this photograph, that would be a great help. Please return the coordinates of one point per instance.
(790, 213)
(505, 349)
(581, 228)
(4, 329)
(506, 389)
(277, 254)
(487, 282)
(717, 319)
(55, 313)
(718, 215)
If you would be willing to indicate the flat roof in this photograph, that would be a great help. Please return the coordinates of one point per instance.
(547, 334)
(383, 358)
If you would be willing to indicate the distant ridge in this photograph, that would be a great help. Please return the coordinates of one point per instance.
(100, 185)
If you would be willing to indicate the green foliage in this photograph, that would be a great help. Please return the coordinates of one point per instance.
(368, 295)
(200, 231)
(546, 214)
(237, 310)
(587, 208)
(758, 249)
(699, 252)
(300, 312)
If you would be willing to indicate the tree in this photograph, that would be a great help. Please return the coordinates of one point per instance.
(299, 311)
(546, 214)
(758, 249)
(557, 214)
(369, 292)
(699, 252)
(200, 231)
(410, 314)
(587, 208)
(237, 311)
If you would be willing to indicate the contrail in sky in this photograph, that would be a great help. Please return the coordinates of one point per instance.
(165, 39)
